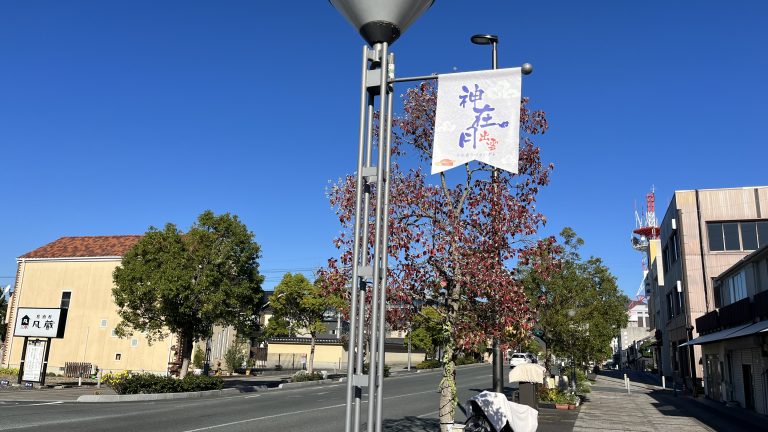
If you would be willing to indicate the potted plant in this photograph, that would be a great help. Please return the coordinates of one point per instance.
(561, 400)
(572, 401)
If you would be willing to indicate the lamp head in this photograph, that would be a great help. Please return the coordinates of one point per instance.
(484, 39)
(381, 21)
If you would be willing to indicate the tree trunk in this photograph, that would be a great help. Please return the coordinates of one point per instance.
(448, 388)
(311, 367)
(186, 354)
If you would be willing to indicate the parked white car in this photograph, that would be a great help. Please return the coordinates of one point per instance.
(520, 358)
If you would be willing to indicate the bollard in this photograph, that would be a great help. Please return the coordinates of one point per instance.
(98, 379)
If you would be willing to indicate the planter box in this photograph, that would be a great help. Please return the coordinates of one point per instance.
(561, 406)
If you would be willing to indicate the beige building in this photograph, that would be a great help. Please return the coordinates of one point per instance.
(703, 233)
(76, 273)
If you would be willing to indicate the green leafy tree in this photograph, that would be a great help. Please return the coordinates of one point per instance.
(183, 284)
(235, 355)
(299, 305)
(581, 306)
(428, 330)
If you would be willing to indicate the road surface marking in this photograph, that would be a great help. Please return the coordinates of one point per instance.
(35, 404)
(293, 413)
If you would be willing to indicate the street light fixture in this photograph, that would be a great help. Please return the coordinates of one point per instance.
(381, 22)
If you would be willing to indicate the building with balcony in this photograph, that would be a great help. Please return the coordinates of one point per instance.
(703, 233)
(734, 337)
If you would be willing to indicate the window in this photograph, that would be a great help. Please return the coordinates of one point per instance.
(640, 321)
(670, 307)
(118, 356)
(715, 235)
(762, 233)
(103, 323)
(678, 300)
(719, 298)
(114, 333)
(66, 296)
(737, 287)
(674, 248)
(134, 343)
(749, 235)
(737, 236)
(731, 234)
(665, 258)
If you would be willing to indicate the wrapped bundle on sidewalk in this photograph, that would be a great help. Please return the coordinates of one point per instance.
(492, 412)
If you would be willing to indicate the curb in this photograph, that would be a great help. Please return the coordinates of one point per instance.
(155, 396)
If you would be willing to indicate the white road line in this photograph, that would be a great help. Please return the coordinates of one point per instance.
(266, 417)
(295, 412)
(427, 414)
(19, 404)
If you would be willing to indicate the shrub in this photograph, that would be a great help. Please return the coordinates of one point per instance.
(429, 364)
(301, 376)
(465, 360)
(386, 369)
(9, 371)
(556, 396)
(126, 383)
(198, 358)
(583, 387)
(234, 357)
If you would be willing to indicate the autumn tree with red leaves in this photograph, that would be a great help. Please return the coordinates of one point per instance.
(454, 238)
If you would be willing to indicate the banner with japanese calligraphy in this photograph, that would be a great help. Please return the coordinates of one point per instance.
(478, 118)
(40, 322)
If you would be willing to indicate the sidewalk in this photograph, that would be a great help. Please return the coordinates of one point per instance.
(650, 408)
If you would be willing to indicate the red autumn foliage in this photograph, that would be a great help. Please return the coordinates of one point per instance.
(453, 241)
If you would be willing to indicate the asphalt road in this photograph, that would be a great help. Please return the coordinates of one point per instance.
(410, 404)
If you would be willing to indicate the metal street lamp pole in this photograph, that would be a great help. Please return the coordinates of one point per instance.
(497, 358)
(571, 314)
(497, 363)
(380, 24)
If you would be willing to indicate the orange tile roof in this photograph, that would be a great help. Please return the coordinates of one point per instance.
(78, 247)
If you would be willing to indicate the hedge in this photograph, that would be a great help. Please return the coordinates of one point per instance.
(126, 383)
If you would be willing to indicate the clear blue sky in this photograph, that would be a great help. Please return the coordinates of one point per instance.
(118, 115)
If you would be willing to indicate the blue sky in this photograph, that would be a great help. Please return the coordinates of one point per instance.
(118, 115)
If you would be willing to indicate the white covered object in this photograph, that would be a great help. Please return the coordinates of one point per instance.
(528, 372)
(500, 412)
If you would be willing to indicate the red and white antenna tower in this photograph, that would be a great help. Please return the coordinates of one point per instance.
(646, 229)
(646, 226)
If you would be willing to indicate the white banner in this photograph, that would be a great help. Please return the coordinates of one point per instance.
(478, 118)
(37, 322)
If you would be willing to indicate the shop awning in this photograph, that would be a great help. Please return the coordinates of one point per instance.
(750, 330)
(716, 336)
